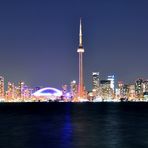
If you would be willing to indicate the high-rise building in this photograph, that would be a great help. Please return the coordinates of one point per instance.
(139, 88)
(112, 81)
(145, 86)
(21, 90)
(1, 87)
(95, 80)
(10, 91)
(27, 93)
(120, 90)
(125, 91)
(64, 90)
(117, 94)
(131, 88)
(95, 83)
(106, 91)
(145, 90)
(80, 50)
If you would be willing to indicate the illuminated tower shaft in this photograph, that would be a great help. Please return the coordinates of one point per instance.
(81, 83)
(80, 50)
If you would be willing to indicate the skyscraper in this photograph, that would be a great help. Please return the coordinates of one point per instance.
(106, 92)
(10, 91)
(95, 78)
(139, 87)
(1, 87)
(145, 86)
(112, 81)
(80, 50)
(21, 90)
(95, 83)
(131, 95)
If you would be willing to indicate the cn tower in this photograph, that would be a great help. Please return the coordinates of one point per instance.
(80, 50)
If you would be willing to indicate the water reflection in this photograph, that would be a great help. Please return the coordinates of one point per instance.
(67, 131)
(88, 125)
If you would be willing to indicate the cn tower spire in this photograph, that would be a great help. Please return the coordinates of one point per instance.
(80, 51)
(80, 34)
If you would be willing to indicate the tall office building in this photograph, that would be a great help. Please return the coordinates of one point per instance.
(131, 88)
(145, 86)
(112, 81)
(95, 83)
(27, 93)
(10, 91)
(80, 50)
(145, 90)
(120, 89)
(64, 90)
(1, 87)
(106, 92)
(95, 80)
(125, 91)
(21, 90)
(139, 88)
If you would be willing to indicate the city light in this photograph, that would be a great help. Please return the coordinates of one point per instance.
(103, 90)
(47, 92)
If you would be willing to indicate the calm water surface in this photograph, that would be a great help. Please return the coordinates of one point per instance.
(79, 125)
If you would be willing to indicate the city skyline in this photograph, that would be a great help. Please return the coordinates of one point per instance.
(38, 43)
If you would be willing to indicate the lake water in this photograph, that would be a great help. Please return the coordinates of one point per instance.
(74, 125)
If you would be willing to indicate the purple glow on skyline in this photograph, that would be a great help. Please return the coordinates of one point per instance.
(38, 40)
(48, 91)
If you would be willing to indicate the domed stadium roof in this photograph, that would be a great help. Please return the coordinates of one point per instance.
(47, 92)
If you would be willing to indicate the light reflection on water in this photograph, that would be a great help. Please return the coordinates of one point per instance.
(68, 125)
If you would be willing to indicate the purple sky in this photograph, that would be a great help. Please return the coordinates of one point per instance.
(39, 40)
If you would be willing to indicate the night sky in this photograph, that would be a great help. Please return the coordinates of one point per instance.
(39, 40)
